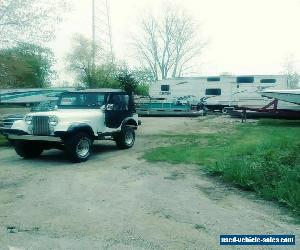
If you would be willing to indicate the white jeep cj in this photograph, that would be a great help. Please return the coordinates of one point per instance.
(80, 118)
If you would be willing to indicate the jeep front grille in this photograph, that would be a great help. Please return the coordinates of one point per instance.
(40, 125)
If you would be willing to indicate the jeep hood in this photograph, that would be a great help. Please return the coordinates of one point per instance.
(80, 115)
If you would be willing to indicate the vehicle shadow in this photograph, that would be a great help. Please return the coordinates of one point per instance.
(59, 157)
(103, 148)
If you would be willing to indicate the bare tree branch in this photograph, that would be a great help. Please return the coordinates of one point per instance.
(291, 72)
(168, 45)
(30, 21)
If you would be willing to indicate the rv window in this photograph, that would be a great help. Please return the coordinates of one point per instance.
(267, 80)
(165, 88)
(245, 79)
(213, 92)
(213, 79)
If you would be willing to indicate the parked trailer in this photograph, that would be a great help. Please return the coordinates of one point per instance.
(221, 92)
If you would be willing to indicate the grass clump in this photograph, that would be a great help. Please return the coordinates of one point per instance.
(262, 157)
(3, 141)
(274, 173)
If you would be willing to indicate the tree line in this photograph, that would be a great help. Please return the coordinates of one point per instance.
(164, 46)
(26, 65)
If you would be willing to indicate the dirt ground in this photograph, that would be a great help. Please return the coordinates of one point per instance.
(116, 200)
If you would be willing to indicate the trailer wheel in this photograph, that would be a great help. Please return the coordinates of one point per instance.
(224, 111)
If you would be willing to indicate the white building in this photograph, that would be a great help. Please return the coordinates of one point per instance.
(220, 91)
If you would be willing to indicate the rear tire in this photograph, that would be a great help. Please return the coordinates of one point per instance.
(79, 147)
(224, 111)
(28, 149)
(126, 138)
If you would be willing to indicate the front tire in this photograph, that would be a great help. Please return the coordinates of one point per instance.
(126, 138)
(28, 149)
(79, 147)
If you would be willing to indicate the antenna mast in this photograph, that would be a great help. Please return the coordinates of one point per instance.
(101, 28)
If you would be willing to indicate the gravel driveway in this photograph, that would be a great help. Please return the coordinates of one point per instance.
(116, 200)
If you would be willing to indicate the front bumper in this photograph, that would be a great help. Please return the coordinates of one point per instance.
(15, 134)
(34, 138)
(7, 131)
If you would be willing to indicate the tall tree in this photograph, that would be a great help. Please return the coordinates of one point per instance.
(291, 72)
(168, 44)
(26, 65)
(81, 59)
(143, 75)
(90, 64)
(127, 80)
(134, 80)
(31, 21)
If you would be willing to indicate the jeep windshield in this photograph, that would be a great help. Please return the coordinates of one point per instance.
(44, 106)
(81, 100)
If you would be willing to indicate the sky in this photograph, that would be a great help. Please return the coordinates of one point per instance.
(244, 36)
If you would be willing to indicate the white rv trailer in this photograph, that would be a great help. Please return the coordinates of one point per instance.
(220, 91)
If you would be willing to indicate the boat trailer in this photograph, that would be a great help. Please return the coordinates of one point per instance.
(268, 111)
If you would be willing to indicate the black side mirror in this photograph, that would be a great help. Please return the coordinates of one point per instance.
(109, 107)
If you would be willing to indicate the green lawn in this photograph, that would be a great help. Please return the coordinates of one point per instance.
(3, 141)
(261, 157)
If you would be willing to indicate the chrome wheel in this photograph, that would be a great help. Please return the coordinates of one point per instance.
(125, 138)
(83, 148)
(129, 137)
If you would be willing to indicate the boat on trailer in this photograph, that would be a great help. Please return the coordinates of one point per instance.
(286, 95)
(271, 110)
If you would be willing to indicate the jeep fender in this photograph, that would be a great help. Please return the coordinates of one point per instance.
(81, 127)
(129, 121)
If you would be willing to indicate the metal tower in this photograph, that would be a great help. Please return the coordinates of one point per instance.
(101, 26)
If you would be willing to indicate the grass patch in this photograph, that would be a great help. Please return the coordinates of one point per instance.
(11, 105)
(261, 157)
(3, 141)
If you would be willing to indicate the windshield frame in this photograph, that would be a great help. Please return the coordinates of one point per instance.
(63, 95)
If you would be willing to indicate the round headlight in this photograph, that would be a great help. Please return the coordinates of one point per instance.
(53, 121)
(28, 119)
